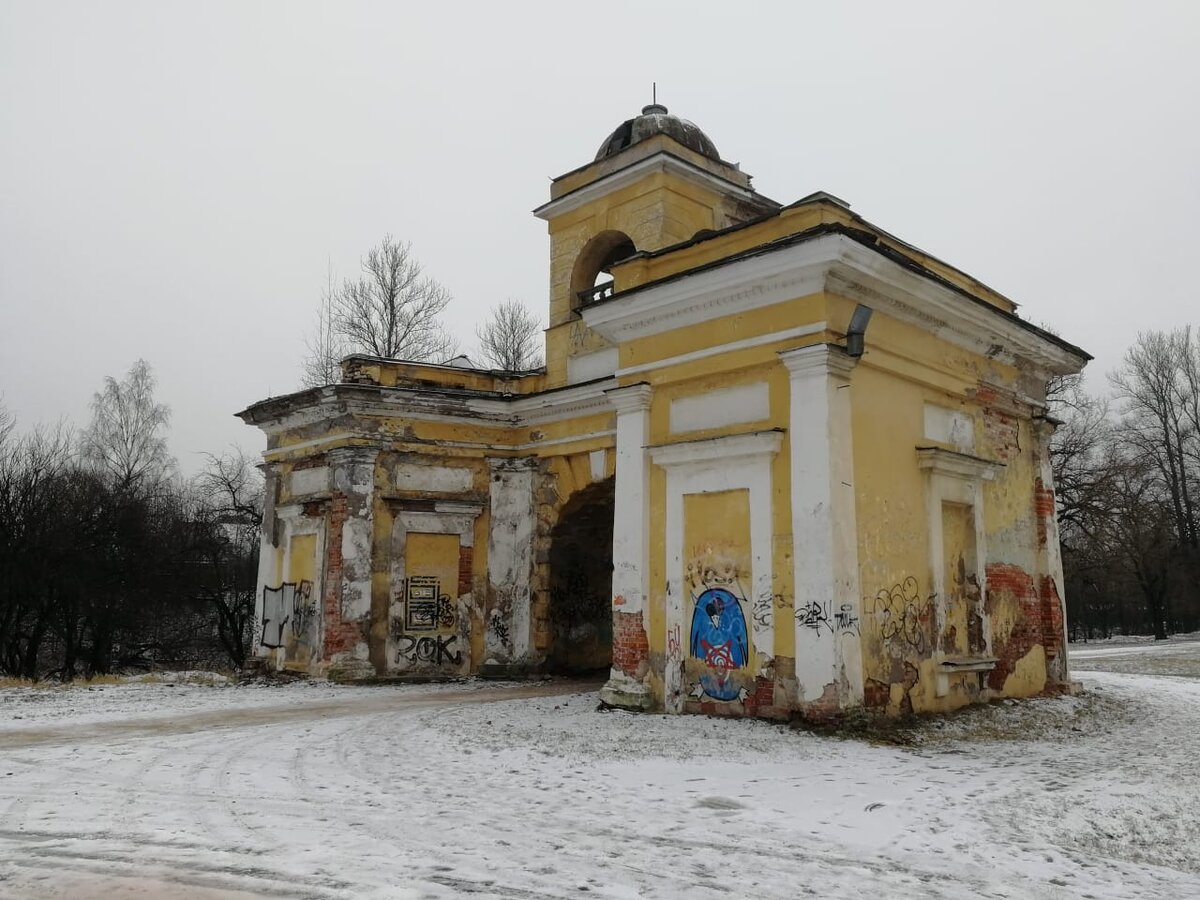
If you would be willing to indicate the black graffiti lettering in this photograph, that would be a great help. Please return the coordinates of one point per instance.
(814, 615)
(438, 650)
(446, 614)
(289, 602)
(899, 610)
(845, 620)
(303, 609)
(500, 629)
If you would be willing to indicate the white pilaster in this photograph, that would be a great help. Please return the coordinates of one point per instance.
(510, 560)
(631, 531)
(631, 514)
(353, 474)
(824, 529)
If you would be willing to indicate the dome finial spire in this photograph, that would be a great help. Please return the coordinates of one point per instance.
(655, 108)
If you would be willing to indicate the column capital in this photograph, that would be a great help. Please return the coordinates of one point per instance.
(631, 398)
(511, 463)
(818, 359)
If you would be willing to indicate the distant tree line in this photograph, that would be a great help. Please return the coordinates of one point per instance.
(1127, 472)
(109, 560)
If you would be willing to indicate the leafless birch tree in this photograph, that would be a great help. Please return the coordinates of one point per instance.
(326, 346)
(510, 338)
(126, 439)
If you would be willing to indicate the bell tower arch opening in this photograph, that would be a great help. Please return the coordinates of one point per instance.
(591, 271)
(580, 611)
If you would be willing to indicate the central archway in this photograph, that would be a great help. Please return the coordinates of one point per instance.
(581, 582)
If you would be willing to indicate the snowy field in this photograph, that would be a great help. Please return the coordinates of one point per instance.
(210, 791)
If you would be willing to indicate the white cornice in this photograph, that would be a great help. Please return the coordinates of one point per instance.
(734, 449)
(567, 403)
(760, 340)
(957, 465)
(817, 360)
(833, 263)
(660, 162)
(429, 406)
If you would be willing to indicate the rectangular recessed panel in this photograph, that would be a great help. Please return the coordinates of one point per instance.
(439, 479)
(310, 481)
(950, 426)
(717, 409)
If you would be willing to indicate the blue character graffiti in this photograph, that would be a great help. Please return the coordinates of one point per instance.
(719, 638)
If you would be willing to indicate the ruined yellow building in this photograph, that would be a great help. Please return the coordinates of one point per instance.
(778, 462)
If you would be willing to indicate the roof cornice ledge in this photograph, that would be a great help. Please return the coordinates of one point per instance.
(836, 263)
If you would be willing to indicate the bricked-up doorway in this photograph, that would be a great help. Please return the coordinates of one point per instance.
(581, 582)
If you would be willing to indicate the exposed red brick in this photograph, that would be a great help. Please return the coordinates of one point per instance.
(466, 557)
(1043, 507)
(630, 646)
(876, 693)
(1002, 431)
(339, 636)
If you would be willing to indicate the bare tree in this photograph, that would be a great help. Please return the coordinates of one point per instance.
(1153, 384)
(508, 340)
(326, 346)
(126, 439)
(228, 519)
(1075, 451)
(393, 310)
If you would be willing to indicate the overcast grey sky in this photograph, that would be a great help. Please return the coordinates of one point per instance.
(176, 178)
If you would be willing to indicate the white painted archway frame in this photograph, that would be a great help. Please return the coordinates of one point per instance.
(736, 462)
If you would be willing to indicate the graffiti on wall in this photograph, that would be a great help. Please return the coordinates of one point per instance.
(500, 629)
(718, 635)
(291, 604)
(573, 600)
(437, 649)
(421, 602)
(674, 645)
(426, 608)
(899, 611)
(816, 615)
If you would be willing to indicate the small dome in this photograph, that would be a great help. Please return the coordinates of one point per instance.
(656, 120)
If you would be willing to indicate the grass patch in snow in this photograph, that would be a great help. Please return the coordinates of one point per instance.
(1047, 718)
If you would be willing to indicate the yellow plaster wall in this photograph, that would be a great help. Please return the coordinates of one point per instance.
(904, 369)
(1028, 677)
(887, 420)
(803, 311)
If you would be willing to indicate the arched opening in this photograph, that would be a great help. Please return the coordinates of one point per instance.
(581, 582)
(591, 274)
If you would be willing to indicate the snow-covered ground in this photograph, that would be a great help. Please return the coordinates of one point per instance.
(146, 790)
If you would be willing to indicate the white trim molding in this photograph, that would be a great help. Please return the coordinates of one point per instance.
(736, 462)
